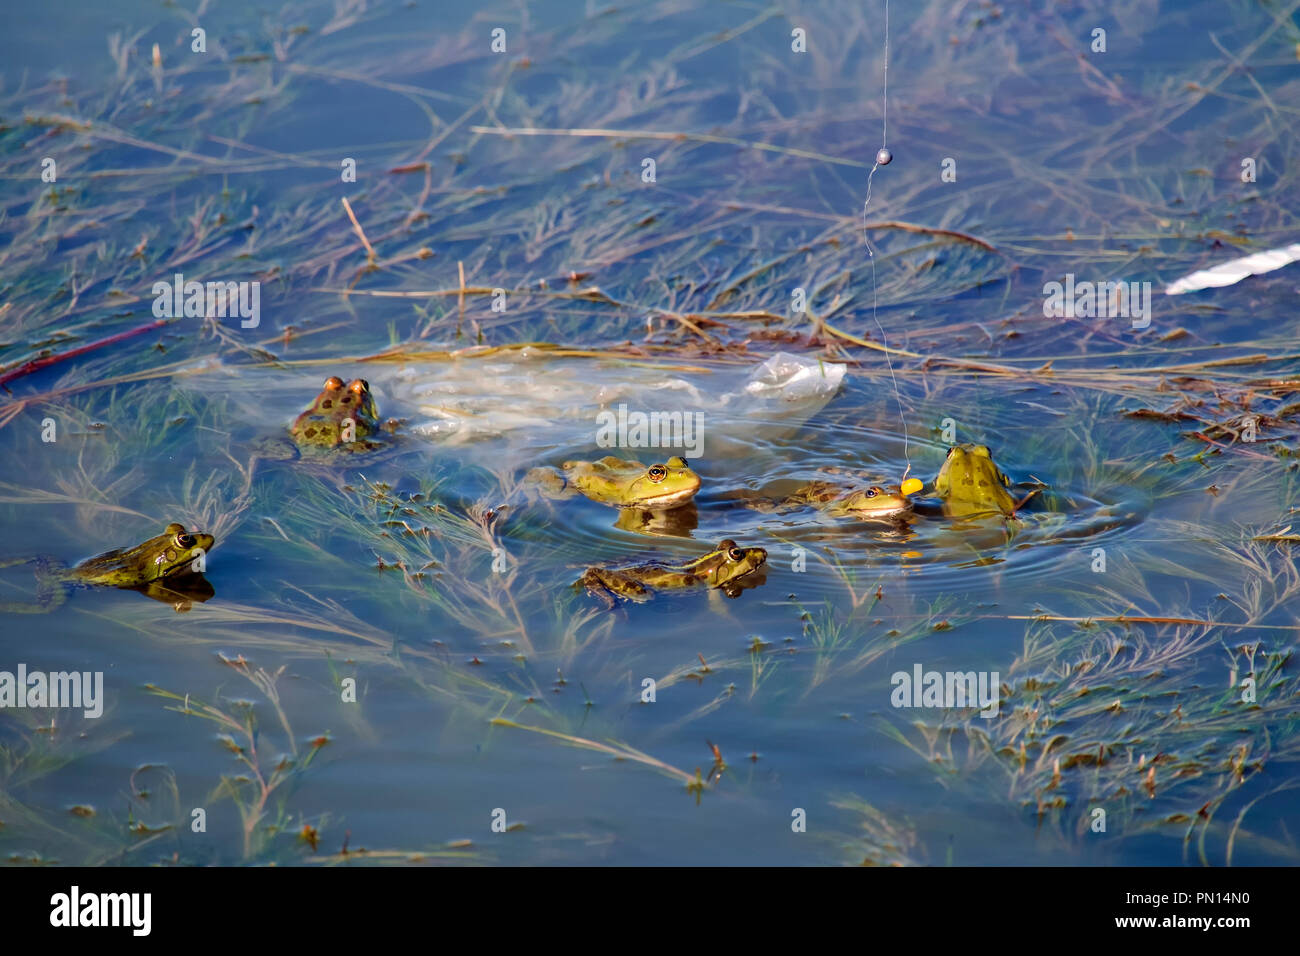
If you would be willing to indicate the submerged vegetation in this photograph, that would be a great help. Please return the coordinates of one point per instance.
(500, 252)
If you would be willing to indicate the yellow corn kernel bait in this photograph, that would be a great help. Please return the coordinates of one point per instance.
(912, 486)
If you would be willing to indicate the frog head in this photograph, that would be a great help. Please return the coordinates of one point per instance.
(970, 483)
(871, 504)
(630, 484)
(342, 418)
(726, 563)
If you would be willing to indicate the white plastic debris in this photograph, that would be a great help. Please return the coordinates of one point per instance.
(1234, 270)
(793, 378)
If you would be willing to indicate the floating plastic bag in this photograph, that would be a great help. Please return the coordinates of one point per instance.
(1234, 270)
(794, 378)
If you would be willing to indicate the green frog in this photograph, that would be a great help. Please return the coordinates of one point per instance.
(873, 503)
(624, 484)
(341, 425)
(166, 568)
(727, 568)
(970, 484)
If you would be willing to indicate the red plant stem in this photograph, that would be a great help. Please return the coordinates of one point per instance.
(31, 366)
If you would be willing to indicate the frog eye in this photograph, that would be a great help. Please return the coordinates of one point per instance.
(333, 383)
(184, 540)
(951, 449)
(657, 473)
(735, 554)
(873, 491)
(360, 386)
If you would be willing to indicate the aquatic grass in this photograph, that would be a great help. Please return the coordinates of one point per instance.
(422, 539)
(454, 852)
(41, 742)
(260, 794)
(1113, 712)
(240, 734)
(405, 537)
(38, 745)
(882, 840)
(841, 645)
(94, 468)
(495, 226)
(832, 650)
(614, 749)
(970, 50)
(1117, 724)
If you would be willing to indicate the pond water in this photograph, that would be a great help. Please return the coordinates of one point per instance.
(658, 210)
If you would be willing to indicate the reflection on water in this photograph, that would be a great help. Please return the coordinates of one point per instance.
(677, 522)
(180, 591)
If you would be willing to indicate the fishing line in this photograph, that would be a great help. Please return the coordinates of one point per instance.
(883, 158)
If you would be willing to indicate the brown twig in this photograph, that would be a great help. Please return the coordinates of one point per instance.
(672, 137)
(361, 233)
(1143, 619)
(46, 360)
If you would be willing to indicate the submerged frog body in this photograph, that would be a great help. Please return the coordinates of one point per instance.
(341, 425)
(728, 568)
(970, 484)
(165, 568)
(624, 484)
(873, 503)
